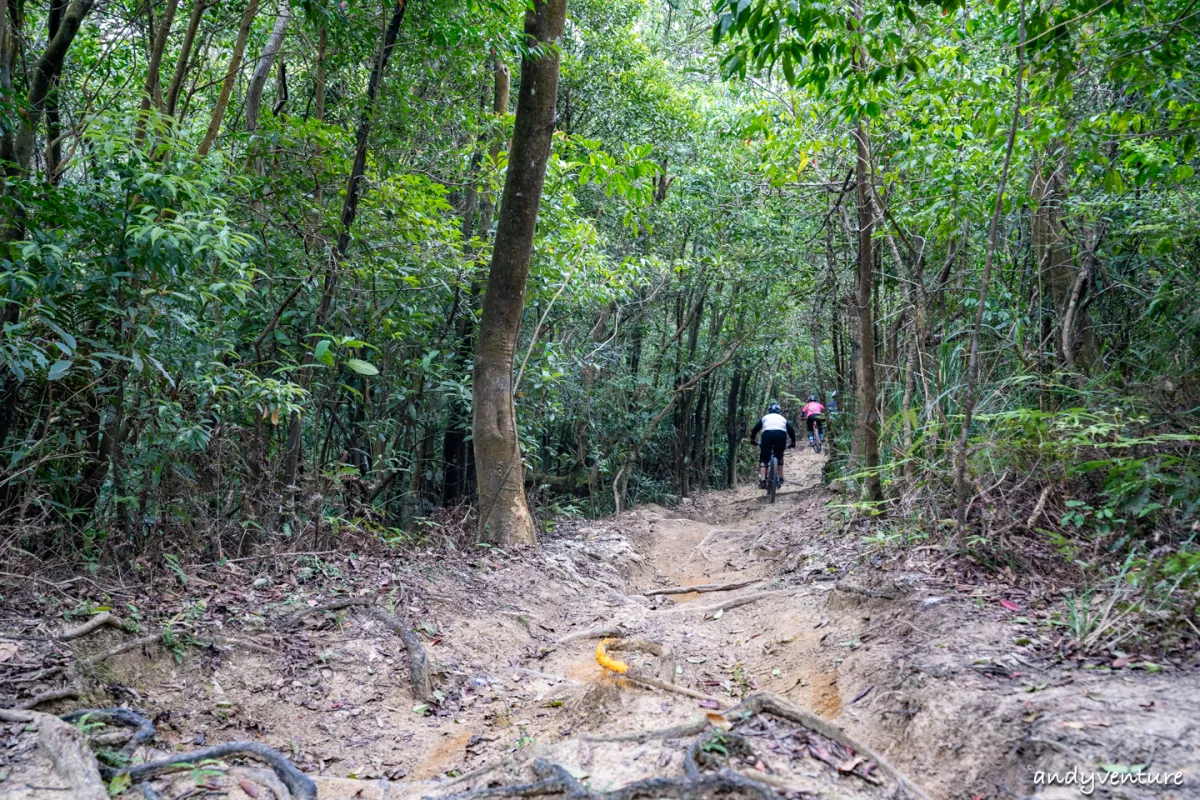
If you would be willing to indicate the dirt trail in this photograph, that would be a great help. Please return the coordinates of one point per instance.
(946, 684)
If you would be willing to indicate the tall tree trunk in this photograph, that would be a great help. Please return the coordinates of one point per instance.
(865, 450)
(968, 406)
(18, 149)
(185, 53)
(504, 516)
(53, 128)
(349, 213)
(152, 90)
(235, 64)
(454, 441)
(266, 60)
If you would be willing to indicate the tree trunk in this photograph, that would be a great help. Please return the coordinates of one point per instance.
(18, 149)
(235, 64)
(262, 70)
(185, 52)
(504, 516)
(865, 450)
(152, 90)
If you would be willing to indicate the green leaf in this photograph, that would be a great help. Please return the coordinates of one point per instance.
(361, 367)
(321, 352)
(120, 783)
(58, 369)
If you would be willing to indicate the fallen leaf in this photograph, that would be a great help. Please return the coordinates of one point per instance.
(713, 704)
(8, 650)
(720, 612)
(1121, 663)
(821, 624)
(1075, 726)
(850, 764)
(862, 694)
(248, 787)
(1010, 605)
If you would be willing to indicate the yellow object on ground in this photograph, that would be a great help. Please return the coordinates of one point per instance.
(607, 661)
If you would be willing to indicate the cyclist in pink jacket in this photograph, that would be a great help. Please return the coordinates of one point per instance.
(811, 413)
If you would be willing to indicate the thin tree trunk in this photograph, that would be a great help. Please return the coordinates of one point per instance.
(235, 64)
(152, 90)
(266, 60)
(53, 128)
(349, 213)
(960, 469)
(185, 52)
(865, 452)
(504, 516)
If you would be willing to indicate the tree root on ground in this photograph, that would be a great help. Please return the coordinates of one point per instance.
(705, 587)
(65, 746)
(664, 654)
(597, 632)
(553, 779)
(143, 729)
(299, 784)
(96, 622)
(48, 696)
(422, 686)
(725, 605)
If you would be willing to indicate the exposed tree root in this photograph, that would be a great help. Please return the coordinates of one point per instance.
(143, 729)
(335, 605)
(299, 784)
(419, 677)
(724, 605)
(67, 750)
(554, 780)
(706, 587)
(96, 622)
(666, 656)
(125, 647)
(767, 702)
(596, 632)
(48, 696)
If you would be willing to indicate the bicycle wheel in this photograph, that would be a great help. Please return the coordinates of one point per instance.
(772, 479)
(816, 444)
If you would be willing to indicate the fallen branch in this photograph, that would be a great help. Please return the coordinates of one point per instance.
(724, 605)
(422, 686)
(655, 683)
(299, 784)
(707, 587)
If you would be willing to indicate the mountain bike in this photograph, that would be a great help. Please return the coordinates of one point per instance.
(818, 437)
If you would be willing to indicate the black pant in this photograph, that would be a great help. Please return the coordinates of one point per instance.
(814, 420)
(772, 443)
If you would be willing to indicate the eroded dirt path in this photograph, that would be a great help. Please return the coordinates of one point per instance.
(947, 684)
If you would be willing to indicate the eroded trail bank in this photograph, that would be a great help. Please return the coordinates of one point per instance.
(953, 685)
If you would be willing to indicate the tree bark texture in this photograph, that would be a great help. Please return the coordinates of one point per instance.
(504, 516)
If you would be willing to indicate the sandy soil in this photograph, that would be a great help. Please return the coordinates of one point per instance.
(954, 684)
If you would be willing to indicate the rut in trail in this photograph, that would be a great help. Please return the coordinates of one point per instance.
(805, 662)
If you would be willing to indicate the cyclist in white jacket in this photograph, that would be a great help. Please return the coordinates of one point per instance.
(776, 430)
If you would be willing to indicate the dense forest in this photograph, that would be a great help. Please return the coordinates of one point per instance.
(311, 274)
